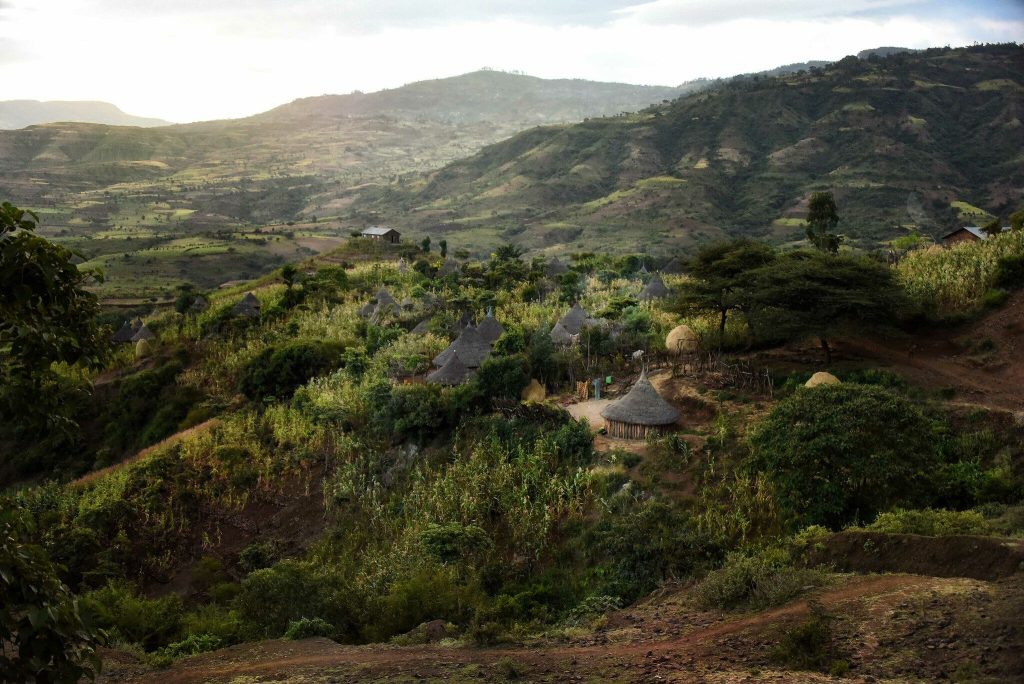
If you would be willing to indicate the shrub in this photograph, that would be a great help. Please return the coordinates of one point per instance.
(755, 580)
(931, 523)
(277, 371)
(841, 452)
(258, 555)
(212, 620)
(1010, 272)
(307, 628)
(119, 608)
(811, 645)
(503, 377)
(273, 597)
(191, 645)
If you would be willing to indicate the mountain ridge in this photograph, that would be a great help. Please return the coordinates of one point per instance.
(16, 114)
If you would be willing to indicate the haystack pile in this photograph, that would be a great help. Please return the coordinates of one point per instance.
(822, 378)
(682, 340)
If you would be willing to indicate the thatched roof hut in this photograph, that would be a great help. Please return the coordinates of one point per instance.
(639, 413)
(470, 348)
(561, 336)
(682, 340)
(822, 378)
(123, 334)
(136, 324)
(655, 289)
(384, 297)
(422, 328)
(143, 333)
(490, 329)
(555, 268)
(367, 310)
(672, 267)
(249, 306)
(643, 270)
(453, 372)
(199, 304)
(575, 319)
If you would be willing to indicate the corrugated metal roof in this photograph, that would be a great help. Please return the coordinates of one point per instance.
(378, 230)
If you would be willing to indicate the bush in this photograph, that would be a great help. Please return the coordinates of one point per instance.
(1010, 272)
(842, 452)
(191, 645)
(279, 370)
(503, 377)
(931, 523)
(212, 620)
(811, 645)
(755, 580)
(257, 556)
(118, 608)
(307, 628)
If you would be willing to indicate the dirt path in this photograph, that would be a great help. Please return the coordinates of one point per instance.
(689, 651)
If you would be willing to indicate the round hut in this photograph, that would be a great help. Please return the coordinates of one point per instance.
(655, 289)
(574, 320)
(822, 378)
(640, 413)
(470, 348)
(199, 305)
(143, 333)
(682, 340)
(124, 334)
(561, 336)
(248, 307)
(453, 372)
(490, 329)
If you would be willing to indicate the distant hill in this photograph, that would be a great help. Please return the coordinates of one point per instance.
(485, 95)
(21, 113)
(921, 140)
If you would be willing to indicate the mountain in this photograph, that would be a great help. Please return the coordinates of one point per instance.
(925, 140)
(21, 113)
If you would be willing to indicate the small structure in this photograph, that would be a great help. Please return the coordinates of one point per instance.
(490, 329)
(643, 270)
(640, 413)
(199, 305)
(421, 328)
(470, 348)
(576, 319)
(143, 333)
(967, 234)
(555, 268)
(248, 307)
(672, 267)
(561, 336)
(682, 340)
(534, 391)
(822, 378)
(123, 334)
(453, 372)
(382, 233)
(655, 289)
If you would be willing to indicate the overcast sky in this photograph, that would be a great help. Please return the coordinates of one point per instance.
(186, 60)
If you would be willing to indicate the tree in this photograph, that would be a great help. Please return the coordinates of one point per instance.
(443, 244)
(42, 637)
(804, 294)
(425, 244)
(842, 453)
(993, 227)
(46, 317)
(721, 272)
(822, 218)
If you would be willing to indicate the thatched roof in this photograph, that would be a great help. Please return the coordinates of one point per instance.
(367, 310)
(556, 268)
(822, 378)
(490, 329)
(408, 304)
(249, 306)
(643, 269)
(384, 297)
(470, 348)
(673, 266)
(642, 405)
(655, 289)
(143, 349)
(199, 304)
(143, 333)
(123, 334)
(136, 324)
(559, 335)
(422, 328)
(453, 372)
(575, 319)
(682, 340)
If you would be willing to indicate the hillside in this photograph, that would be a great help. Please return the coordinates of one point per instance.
(920, 141)
(158, 206)
(21, 113)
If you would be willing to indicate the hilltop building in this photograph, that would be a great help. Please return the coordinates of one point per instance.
(248, 307)
(655, 289)
(640, 413)
(383, 233)
(967, 234)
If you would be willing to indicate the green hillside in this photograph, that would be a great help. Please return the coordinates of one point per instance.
(901, 140)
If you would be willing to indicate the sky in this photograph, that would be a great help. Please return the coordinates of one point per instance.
(189, 60)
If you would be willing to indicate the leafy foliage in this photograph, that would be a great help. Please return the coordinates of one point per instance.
(277, 371)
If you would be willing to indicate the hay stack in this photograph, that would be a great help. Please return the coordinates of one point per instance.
(534, 391)
(682, 340)
(822, 378)
(641, 412)
(143, 349)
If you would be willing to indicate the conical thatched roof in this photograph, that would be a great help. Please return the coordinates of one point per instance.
(199, 304)
(248, 307)
(556, 268)
(384, 297)
(408, 304)
(124, 334)
(470, 347)
(453, 372)
(655, 289)
(642, 405)
(422, 328)
(643, 269)
(673, 266)
(136, 324)
(575, 319)
(490, 329)
(559, 335)
(682, 340)
(143, 333)
(822, 378)
(367, 310)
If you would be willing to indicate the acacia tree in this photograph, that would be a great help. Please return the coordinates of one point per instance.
(46, 316)
(813, 294)
(822, 218)
(721, 274)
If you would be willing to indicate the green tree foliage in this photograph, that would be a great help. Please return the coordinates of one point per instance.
(721, 274)
(46, 317)
(42, 636)
(279, 370)
(842, 453)
(993, 227)
(425, 244)
(503, 377)
(443, 244)
(812, 294)
(822, 219)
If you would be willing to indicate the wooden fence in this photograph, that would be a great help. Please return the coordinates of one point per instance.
(739, 374)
